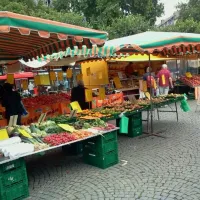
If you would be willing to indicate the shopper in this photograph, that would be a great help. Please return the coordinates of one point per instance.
(11, 100)
(150, 80)
(164, 80)
(78, 94)
(31, 88)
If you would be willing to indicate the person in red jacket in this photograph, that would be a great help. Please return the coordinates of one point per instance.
(164, 80)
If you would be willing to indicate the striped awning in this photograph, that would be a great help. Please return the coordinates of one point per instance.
(28, 37)
(164, 43)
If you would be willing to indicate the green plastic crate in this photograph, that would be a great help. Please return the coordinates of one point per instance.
(15, 192)
(102, 162)
(137, 115)
(13, 177)
(134, 132)
(135, 122)
(73, 149)
(12, 165)
(98, 148)
(102, 139)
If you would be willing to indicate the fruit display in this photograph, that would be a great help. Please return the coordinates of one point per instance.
(194, 81)
(57, 139)
(80, 134)
(35, 102)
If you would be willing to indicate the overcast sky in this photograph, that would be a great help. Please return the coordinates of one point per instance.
(170, 8)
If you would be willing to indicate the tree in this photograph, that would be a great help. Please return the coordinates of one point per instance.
(29, 7)
(128, 25)
(109, 10)
(189, 10)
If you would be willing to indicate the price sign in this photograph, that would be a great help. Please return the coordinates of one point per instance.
(25, 84)
(69, 73)
(163, 79)
(53, 76)
(24, 133)
(88, 95)
(37, 80)
(188, 75)
(67, 127)
(10, 78)
(117, 82)
(3, 134)
(144, 86)
(60, 76)
(148, 95)
(102, 93)
(79, 77)
(75, 106)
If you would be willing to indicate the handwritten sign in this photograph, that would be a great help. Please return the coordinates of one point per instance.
(52, 76)
(10, 78)
(75, 106)
(24, 133)
(25, 84)
(67, 127)
(117, 82)
(60, 76)
(69, 73)
(79, 77)
(144, 86)
(147, 94)
(188, 75)
(88, 95)
(37, 80)
(3, 134)
(102, 93)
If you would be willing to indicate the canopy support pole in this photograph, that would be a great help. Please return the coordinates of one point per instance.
(151, 132)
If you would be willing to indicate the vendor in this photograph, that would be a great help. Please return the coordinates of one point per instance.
(11, 100)
(78, 94)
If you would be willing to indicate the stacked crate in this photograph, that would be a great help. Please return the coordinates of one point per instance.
(135, 125)
(101, 151)
(13, 180)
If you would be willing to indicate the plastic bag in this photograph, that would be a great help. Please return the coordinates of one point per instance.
(184, 104)
(123, 125)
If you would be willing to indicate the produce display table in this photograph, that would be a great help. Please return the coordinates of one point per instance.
(98, 150)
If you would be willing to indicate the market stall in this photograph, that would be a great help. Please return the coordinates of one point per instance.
(29, 38)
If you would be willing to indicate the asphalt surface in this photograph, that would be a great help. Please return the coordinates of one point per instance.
(150, 168)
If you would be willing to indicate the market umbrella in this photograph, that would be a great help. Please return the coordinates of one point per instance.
(165, 43)
(28, 37)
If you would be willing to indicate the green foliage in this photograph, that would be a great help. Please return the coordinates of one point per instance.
(128, 25)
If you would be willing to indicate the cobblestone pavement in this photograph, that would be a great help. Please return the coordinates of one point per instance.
(156, 168)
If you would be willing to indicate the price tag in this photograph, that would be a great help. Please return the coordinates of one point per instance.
(102, 93)
(24, 133)
(163, 79)
(148, 95)
(10, 78)
(52, 76)
(25, 84)
(188, 75)
(75, 106)
(88, 71)
(37, 80)
(67, 127)
(60, 76)
(69, 73)
(144, 86)
(3, 134)
(117, 82)
(79, 77)
(88, 95)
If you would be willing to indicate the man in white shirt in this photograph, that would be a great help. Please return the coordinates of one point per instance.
(31, 88)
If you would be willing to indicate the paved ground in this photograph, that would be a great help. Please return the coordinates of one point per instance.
(156, 168)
